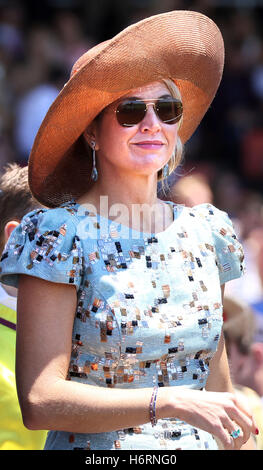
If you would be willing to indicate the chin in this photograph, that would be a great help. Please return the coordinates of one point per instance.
(150, 167)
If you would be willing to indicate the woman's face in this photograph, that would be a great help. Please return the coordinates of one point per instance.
(141, 149)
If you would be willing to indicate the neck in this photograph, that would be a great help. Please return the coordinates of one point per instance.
(126, 189)
(133, 200)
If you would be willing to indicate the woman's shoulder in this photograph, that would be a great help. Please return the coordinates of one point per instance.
(208, 217)
(208, 212)
(45, 244)
(67, 209)
(50, 217)
(204, 216)
(228, 250)
(218, 223)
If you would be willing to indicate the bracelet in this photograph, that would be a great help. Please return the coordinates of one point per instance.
(152, 409)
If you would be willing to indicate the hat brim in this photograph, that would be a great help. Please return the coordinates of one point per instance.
(185, 46)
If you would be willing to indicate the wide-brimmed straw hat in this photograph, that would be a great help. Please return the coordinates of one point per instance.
(185, 46)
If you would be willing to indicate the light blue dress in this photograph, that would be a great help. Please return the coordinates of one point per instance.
(149, 306)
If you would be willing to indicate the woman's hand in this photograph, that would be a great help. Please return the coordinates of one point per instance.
(218, 413)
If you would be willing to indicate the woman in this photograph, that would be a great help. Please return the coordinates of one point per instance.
(119, 323)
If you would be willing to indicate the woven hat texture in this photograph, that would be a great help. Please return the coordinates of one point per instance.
(185, 46)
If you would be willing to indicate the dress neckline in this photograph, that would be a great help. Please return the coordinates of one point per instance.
(176, 208)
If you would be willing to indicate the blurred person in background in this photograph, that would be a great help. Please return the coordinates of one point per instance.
(11, 50)
(243, 330)
(248, 220)
(32, 107)
(71, 38)
(15, 201)
(192, 190)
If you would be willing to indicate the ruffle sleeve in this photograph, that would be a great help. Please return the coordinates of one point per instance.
(228, 250)
(46, 245)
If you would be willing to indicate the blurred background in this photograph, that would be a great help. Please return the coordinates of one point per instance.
(223, 161)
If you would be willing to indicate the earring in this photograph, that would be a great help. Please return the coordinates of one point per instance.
(94, 173)
(165, 171)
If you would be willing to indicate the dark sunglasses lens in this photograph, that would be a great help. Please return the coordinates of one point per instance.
(169, 111)
(130, 113)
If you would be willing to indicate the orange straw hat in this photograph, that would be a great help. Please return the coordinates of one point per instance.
(185, 46)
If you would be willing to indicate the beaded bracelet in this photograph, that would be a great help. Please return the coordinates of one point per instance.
(153, 406)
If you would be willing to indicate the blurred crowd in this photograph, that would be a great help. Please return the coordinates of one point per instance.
(223, 161)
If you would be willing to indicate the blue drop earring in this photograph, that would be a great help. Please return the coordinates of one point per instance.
(165, 171)
(94, 173)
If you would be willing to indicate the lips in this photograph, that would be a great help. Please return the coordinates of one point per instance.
(149, 144)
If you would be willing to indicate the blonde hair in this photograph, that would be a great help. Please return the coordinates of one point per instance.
(176, 157)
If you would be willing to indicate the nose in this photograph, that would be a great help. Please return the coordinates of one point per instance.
(150, 122)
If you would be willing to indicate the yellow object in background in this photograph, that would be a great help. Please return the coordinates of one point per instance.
(256, 406)
(13, 434)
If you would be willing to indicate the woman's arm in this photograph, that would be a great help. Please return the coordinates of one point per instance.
(219, 378)
(48, 401)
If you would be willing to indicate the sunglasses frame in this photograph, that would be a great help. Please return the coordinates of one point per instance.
(150, 102)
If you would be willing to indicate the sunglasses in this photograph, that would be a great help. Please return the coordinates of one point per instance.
(132, 111)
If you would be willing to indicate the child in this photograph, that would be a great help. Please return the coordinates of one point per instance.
(15, 201)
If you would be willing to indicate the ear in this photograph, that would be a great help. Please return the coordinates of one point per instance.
(257, 353)
(9, 227)
(90, 135)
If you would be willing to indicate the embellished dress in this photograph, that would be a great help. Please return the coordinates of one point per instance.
(149, 308)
